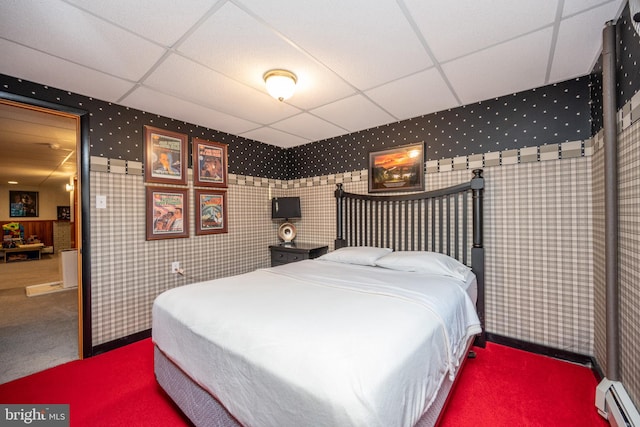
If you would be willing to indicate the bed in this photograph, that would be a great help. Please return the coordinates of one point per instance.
(373, 333)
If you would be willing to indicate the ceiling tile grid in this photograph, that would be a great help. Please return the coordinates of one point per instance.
(226, 39)
(203, 60)
(363, 113)
(28, 64)
(423, 91)
(571, 55)
(500, 70)
(150, 20)
(367, 43)
(471, 26)
(68, 33)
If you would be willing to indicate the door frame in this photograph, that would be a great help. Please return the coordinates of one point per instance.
(83, 224)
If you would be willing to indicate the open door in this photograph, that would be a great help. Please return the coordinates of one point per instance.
(79, 220)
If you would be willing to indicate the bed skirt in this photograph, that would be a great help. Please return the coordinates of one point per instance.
(205, 411)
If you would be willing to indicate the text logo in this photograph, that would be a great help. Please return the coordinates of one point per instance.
(34, 415)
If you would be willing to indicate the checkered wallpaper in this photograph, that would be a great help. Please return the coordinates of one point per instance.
(128, 272)
(538, 243)
(629, 193)
(629, 251)
(539, 249)
(597, 173)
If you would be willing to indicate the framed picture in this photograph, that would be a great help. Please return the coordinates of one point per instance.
(64, 213)
(167, 213)
(23, 203)
(165, 156)
(211, 212)
(397, 169)
(209, 163)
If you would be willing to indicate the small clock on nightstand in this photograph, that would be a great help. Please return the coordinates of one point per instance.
(284, 254)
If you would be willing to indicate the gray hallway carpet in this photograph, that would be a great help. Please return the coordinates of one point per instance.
(36, 332)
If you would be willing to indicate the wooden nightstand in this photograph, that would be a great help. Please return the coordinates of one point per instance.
(281, 254)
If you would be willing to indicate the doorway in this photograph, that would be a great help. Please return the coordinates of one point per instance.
(69, 175)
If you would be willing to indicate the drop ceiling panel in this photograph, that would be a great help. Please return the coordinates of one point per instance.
(425, 91)
(211, 89)
(354, 113)
(28, 64)
(271, 136)
(146, 99)
(69, 33)
(251, 49)
(309, 127)
(346, 35)
(576, 6)
(500, 70)
(149, 19)
(571, 56)
(471, 25)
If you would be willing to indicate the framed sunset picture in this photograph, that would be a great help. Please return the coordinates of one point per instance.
(397, 169)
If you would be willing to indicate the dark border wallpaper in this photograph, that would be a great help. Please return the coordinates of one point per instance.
(627, 58)
(627, 74)
(551, 114)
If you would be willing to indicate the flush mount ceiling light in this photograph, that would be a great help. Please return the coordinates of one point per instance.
(280, 83)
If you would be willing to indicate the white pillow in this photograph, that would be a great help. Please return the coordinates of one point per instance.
(424, 262)
(359, 255)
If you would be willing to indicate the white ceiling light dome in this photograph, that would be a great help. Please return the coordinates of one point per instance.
(281, 84)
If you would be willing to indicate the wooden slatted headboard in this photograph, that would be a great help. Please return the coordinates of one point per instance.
(448, 220)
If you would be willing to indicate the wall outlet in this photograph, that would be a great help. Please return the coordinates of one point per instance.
(175, 266)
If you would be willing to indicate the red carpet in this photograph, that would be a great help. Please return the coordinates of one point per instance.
(117, 388)
(501, 387)
(508, 387)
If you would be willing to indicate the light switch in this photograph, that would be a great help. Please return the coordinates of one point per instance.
(101, 202)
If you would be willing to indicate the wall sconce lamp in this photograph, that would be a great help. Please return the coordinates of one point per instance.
(68, 187)
(280, 83)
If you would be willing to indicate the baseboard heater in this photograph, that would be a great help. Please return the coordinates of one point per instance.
(615, 405)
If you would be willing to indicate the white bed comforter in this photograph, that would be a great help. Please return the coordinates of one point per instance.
(318, 343)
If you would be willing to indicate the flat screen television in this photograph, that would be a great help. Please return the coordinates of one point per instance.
(285, 207)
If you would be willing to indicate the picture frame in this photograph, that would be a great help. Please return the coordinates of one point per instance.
(23, 204)
(167, 213)
(397, 169)
(165, 156)
(209, 163)
(211, 211)
(64, 213)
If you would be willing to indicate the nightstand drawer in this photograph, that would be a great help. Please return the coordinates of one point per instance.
(285, 257)
(297, 252)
